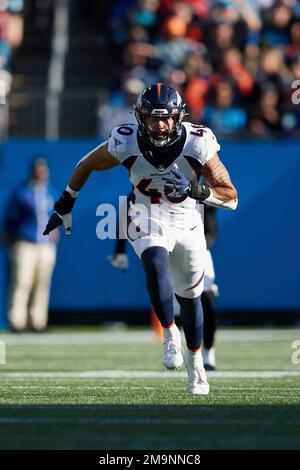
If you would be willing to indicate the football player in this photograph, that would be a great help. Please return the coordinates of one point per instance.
(165, 159)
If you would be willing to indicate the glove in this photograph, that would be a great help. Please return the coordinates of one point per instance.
(62, 215)
(178, 184)
(200, 192)
(56, 220)
(181, 187)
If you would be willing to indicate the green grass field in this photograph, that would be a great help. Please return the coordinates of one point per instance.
(107, 389)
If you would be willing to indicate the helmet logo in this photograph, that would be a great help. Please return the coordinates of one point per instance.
(158, 112)
(158, 89)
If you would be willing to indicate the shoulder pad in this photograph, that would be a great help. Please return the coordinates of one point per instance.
(122, 141)
(201, 142)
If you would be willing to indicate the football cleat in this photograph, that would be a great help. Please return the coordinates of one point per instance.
(119, 261)
(172, 349)
(197, 381)
(209, 359)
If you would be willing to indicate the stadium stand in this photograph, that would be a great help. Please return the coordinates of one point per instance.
(233, 61)
(30, 71)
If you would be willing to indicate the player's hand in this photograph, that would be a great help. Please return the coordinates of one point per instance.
(178, 184)
(62, 215)
(56, 220)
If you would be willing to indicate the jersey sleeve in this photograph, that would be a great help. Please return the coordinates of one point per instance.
(120, 142)
(202, 143)
(206, 146)
(212, 145)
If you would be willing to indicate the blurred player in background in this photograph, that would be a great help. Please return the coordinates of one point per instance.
(32, 255)
(210, 291)
(165, 159)
(118, 109)
(119, 260)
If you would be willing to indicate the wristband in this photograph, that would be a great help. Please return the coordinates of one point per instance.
(65, 203)
(204, 194)
(72, 192)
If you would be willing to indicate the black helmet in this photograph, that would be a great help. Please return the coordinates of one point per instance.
(159, 101)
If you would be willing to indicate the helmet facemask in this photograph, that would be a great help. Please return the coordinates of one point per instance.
(146, 119)
(148, 109)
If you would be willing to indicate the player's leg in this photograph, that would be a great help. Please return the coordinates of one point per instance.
(120, 247)
(119, 258)
(23, 262)
(155, 261)
(187, 267)
(192, 322)
(152, 243)
(210, 326)
(38, 309)
(210, 314)
(159, 284)
(191, 314)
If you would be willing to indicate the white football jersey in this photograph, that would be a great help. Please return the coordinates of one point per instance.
(147, 177)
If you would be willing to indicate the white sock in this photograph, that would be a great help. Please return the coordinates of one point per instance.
(172, 331)
(194, 354)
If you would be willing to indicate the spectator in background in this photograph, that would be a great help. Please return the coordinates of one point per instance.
(145, 14)
(292, 50)
(16, 27)
(5, 45)
(200, 8)
(276, 29)
(223, 115)
(118, 110)
(266, 117)
(173, 46)
(117, 25)
(11, 36)
(11, 30)
(32, 255)
(196, 44)
(220, 37)
(273, 67)
(170, 50)
(233, 68)
(272, 70)
(198, 72)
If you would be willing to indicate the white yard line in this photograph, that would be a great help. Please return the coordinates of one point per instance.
(75, 387)
(148, 421)
(141, 374)
(79, 387)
